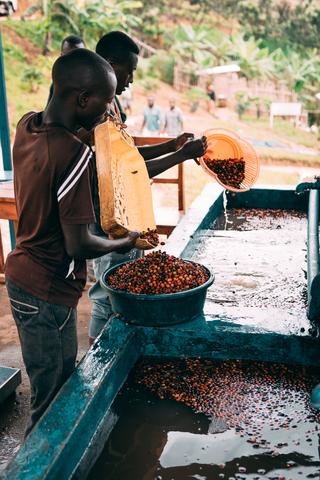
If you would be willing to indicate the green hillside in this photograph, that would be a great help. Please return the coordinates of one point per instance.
(268, 39)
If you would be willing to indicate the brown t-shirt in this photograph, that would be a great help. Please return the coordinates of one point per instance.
(52, 181)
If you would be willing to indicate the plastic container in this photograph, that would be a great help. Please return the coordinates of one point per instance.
(157, 310)
(225, 144)
(221, 101)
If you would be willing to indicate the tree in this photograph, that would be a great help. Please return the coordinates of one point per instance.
(299, 73)
(91, 19)
(53, 12)
(282, 23)
(190, 44)
(32, 78)
(254, 61)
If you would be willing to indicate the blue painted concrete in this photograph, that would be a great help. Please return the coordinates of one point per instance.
(71, 434)
(58, 446)
(4, 122)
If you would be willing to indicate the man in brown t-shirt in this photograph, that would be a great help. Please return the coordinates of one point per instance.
(46, 272)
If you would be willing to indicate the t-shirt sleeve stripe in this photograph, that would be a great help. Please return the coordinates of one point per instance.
(73, 179)
(73, 172)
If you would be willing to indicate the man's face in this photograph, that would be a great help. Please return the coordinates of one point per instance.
(68, 47)
(150, 102)
(124, 72)
(94, 105)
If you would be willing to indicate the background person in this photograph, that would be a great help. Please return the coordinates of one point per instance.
(173, 120)
(211, 98)
(70, 43)
(151, 119)
(67, 45)
(46, 272)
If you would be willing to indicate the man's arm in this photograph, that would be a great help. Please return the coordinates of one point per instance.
(154, 151)
(165, 123)
(159, 117)
(181, 120)
(190, 150)
(81, 244)
(144, 120)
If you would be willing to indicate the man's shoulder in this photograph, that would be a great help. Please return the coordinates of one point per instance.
(26, 119)
(66, 150)
(63, 139)
(31, 123)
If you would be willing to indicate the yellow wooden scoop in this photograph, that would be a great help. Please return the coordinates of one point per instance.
(124, 184)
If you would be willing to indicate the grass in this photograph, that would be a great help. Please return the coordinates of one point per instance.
(20, 98)
(31, 30)
(285, 129)
(275, 178)
(287, 157)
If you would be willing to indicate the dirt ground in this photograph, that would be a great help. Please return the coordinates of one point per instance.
(15, 411)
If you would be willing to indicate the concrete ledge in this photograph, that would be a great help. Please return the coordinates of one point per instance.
(10, 378)
(57, 447)
(207, 337)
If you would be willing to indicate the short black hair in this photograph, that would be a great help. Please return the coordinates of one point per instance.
(72, 39)
(116, 47)
(80, 69)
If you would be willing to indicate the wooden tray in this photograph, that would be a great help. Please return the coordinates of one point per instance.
(124, 184)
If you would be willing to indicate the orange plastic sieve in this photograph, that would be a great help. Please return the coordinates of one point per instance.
(226, 145)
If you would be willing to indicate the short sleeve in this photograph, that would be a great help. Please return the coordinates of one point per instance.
(74, 192)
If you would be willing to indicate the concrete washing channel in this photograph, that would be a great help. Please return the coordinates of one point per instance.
(274, 328)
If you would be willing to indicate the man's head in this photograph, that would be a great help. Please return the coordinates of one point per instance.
(172, 103)
(150, 101)
(122, 54)
(71, 43)
(85, 83)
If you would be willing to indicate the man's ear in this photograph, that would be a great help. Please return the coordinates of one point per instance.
(83, 98)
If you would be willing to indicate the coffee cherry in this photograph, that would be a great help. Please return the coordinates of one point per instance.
(158, 273)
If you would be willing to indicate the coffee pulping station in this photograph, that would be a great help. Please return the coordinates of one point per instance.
(163, 392)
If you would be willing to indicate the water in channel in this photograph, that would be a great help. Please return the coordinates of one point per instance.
(206, 420)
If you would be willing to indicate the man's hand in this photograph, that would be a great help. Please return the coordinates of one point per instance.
(194, 148)
(182, 139)
(127, 243)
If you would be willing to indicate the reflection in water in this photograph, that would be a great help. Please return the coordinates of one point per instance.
(259, 264)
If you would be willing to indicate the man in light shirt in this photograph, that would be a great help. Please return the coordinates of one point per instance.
(151, 119)
(173, 121)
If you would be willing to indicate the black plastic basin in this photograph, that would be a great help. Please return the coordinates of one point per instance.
(157, 309)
